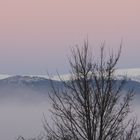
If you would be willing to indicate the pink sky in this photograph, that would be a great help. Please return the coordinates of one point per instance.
(35, 35)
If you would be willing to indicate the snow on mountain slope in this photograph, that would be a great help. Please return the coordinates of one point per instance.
(133, 74)
(130, 72)
(4, 76)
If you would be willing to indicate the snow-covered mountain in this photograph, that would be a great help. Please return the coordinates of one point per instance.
(40, 85)
(25, 88)
(132, 73)
(42, 81)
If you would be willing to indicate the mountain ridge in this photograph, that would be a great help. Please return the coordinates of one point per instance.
(132, 73)
(35, 87)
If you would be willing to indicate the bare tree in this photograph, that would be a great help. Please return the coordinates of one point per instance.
(92, 105)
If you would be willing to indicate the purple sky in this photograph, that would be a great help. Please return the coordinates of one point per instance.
(35, 35)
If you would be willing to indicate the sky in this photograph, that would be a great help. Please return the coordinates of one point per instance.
(36, 35)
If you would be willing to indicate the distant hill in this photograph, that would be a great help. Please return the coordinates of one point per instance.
(26, 87)
(37, 87)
